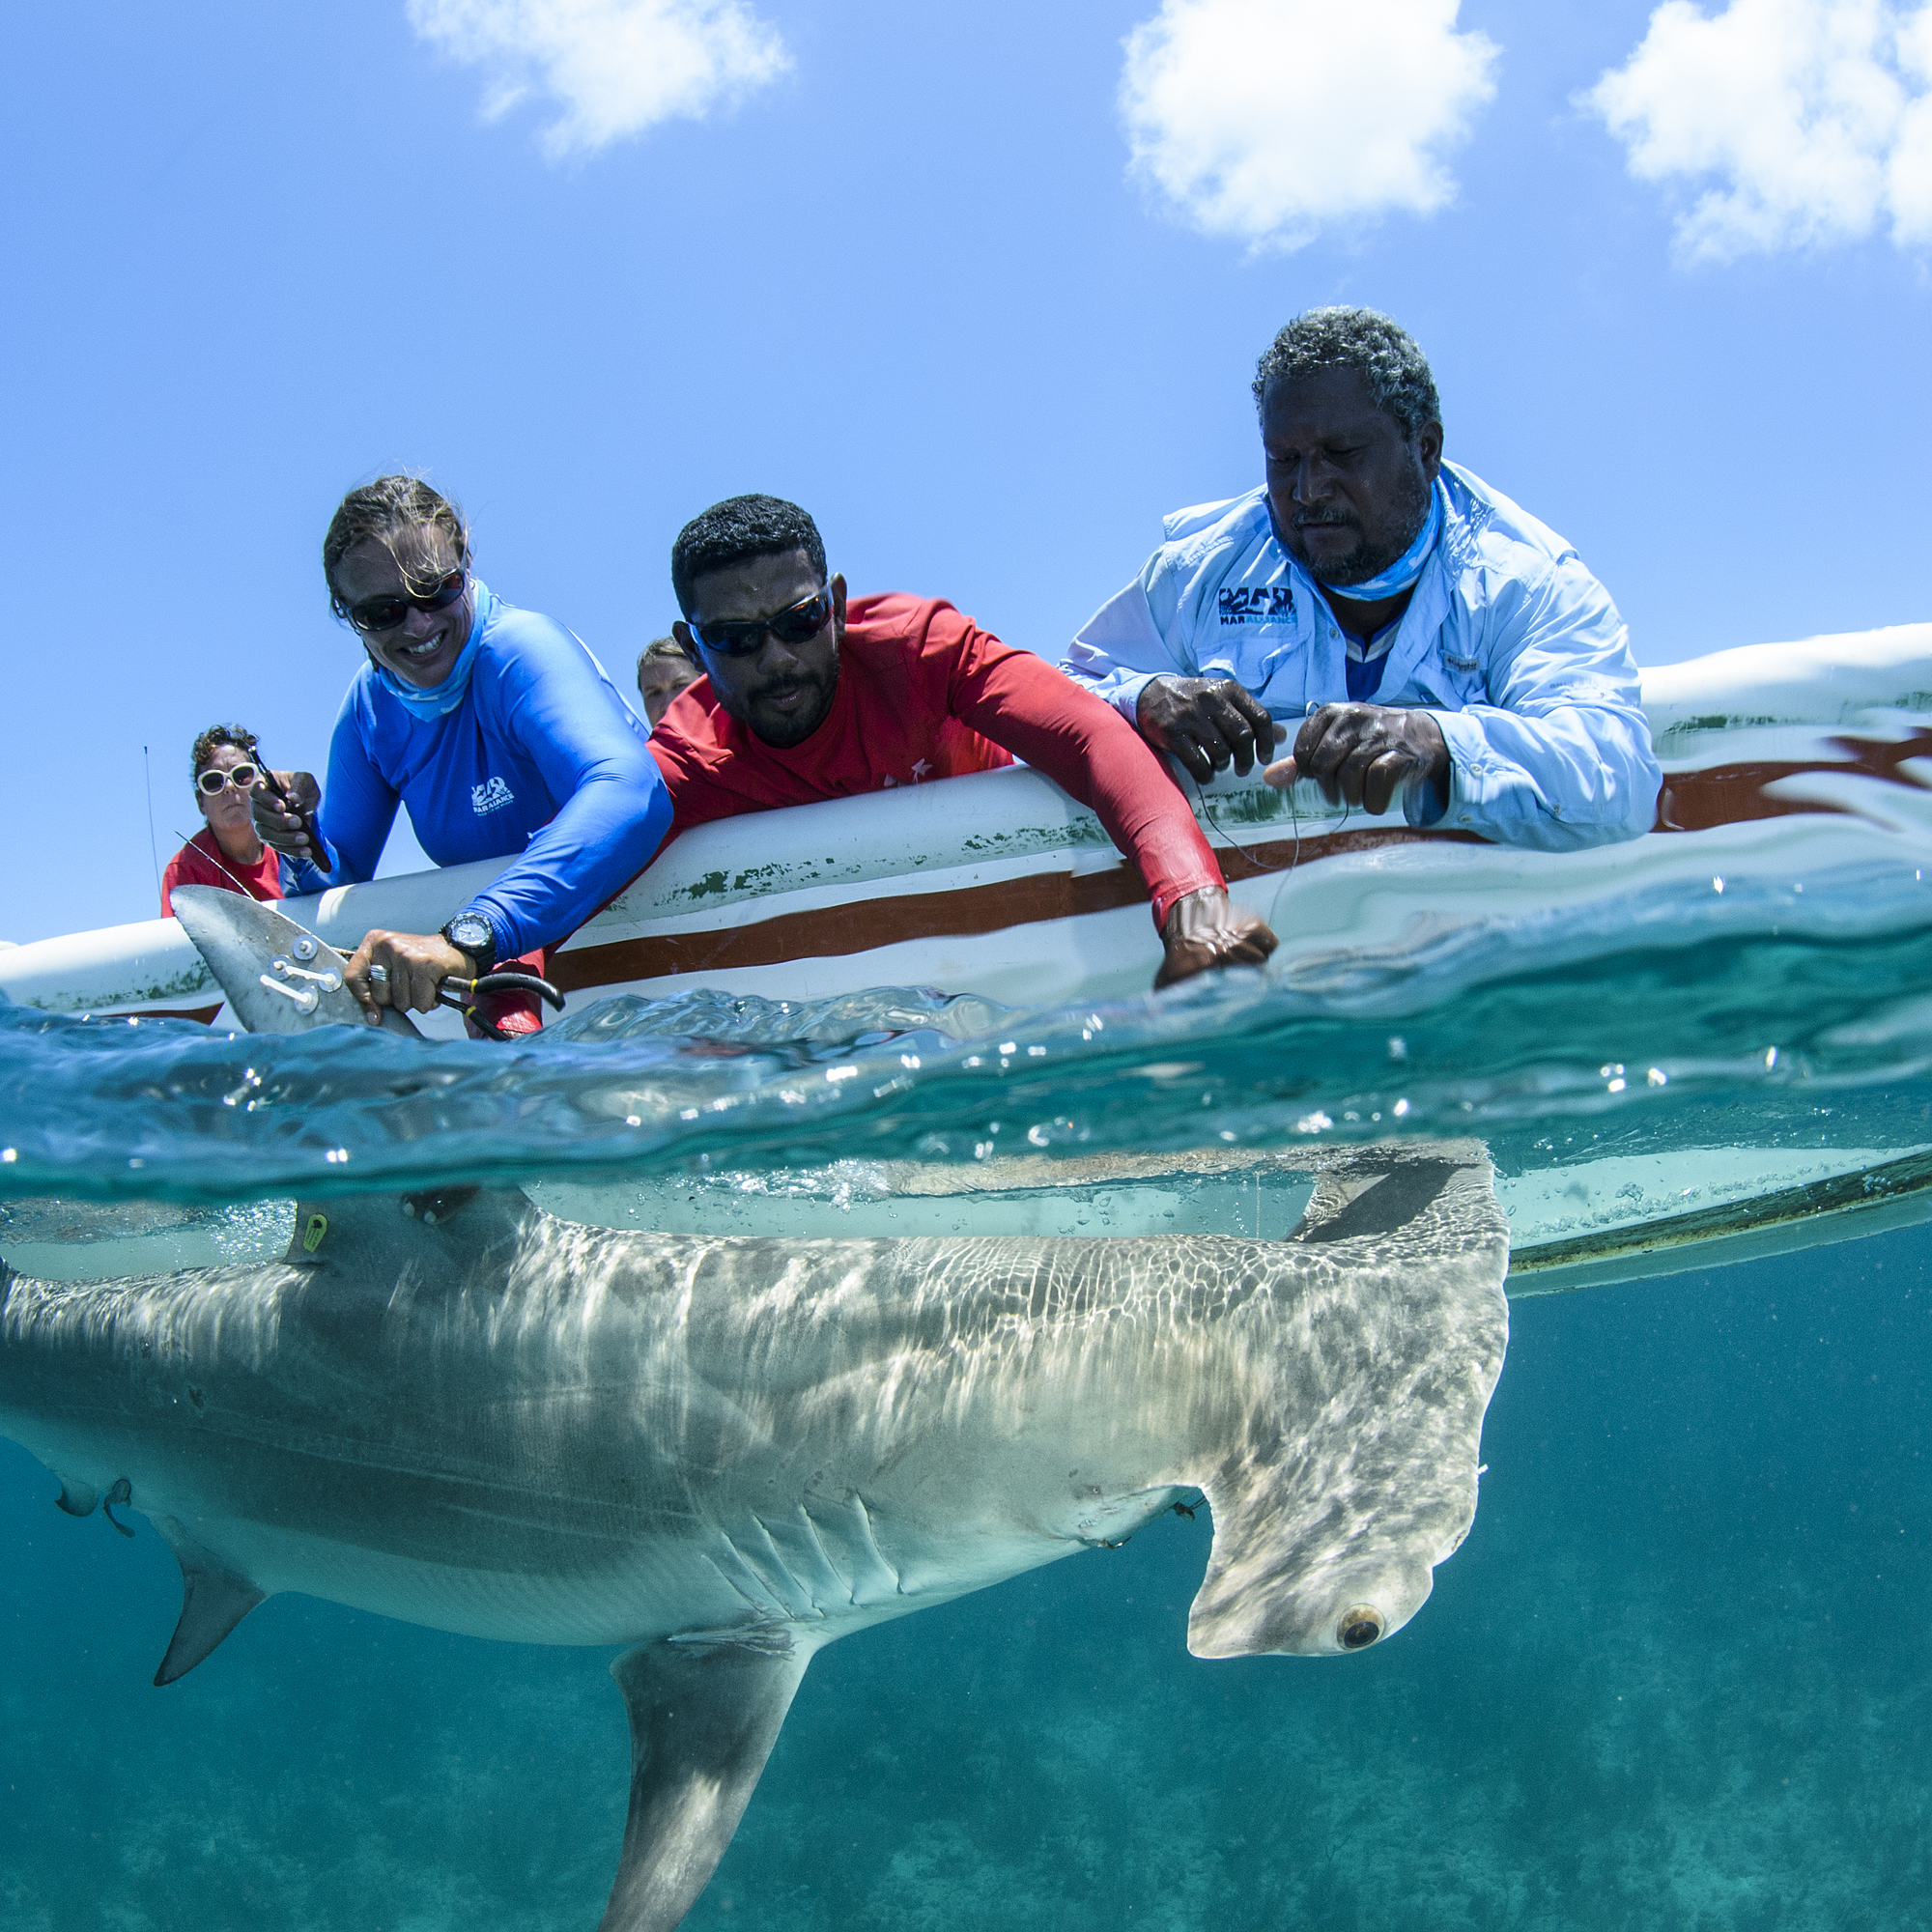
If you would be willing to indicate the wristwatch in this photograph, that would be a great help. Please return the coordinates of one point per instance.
(472, 933)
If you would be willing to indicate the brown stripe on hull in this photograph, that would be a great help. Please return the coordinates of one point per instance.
(1735, 794)
(835, 932)
(1690, 802)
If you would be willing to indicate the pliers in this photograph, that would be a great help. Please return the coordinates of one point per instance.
(464, 994)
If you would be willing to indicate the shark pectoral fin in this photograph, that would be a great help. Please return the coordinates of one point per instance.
(214, 1600)
(703, 1720)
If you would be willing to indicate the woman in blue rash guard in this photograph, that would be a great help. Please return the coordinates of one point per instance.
(495, 726)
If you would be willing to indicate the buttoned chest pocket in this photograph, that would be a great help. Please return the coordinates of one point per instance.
(1458, 682)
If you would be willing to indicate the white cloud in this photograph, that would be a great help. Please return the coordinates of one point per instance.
(1809, 120)
(1270, 120)
(615, 66)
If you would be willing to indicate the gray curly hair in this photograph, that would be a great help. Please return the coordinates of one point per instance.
(1390, 358)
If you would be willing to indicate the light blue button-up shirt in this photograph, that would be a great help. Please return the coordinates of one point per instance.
(1508, 641)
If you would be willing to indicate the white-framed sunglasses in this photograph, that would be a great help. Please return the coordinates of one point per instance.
(212, 784)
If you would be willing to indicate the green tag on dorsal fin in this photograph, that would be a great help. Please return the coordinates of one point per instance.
(318, 1227)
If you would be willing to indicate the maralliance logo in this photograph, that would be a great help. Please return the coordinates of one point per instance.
(1264, 605)
(491, 797)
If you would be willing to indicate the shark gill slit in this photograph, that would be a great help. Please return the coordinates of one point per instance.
(804, 1560)
(766, 1607)
(873, 1543)
(793, 1596)
(832, 1570)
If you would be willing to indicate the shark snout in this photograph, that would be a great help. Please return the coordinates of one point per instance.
(1329, 1612)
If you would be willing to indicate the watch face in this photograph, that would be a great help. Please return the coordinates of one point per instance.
(468, 935)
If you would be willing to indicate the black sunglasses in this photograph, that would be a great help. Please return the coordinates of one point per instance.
(384, 613)
(796, 624)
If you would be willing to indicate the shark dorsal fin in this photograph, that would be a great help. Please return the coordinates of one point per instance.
(214, 1600)
(278, 977)
(705, 1718)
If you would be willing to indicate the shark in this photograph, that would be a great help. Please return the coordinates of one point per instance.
(453, 1407)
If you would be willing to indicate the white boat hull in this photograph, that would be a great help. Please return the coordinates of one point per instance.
(1785, 765)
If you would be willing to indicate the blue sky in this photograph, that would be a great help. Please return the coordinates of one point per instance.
(901, 263)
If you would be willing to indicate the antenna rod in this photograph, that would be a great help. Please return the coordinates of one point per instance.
(153, 855)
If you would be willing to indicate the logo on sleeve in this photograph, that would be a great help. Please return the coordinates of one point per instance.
(491, 796)
(1264, 604)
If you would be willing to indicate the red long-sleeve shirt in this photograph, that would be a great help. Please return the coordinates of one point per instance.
(202, 862)
(923, 694)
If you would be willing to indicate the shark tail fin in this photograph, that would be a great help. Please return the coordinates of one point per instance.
(214, 1600)
(705, 1718)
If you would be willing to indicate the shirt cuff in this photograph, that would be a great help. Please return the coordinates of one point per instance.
(1424, 807)
(1126, 697)
(1468, 752)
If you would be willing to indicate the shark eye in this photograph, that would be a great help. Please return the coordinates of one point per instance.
(1359, 1627)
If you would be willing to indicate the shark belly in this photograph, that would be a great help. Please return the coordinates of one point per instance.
(806, 1543)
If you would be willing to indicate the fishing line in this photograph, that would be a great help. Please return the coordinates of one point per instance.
(226, 873)
(1274, 904)
(1207, 811)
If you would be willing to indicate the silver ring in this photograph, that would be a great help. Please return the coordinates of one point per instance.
(378, 975)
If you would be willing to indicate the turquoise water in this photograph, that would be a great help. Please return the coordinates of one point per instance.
(1746, 1039)
(1676, 1677)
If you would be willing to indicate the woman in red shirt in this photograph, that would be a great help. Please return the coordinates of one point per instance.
(225, 852)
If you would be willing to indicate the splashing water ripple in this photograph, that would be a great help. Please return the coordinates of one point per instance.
(1740, 1039)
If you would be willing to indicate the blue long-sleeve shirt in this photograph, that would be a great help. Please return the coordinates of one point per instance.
(1509, 643)
(540, 757)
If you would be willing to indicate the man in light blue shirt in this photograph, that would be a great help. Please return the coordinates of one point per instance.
(1427, 637)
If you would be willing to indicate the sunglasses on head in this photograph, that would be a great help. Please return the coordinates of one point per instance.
(796, 624)
(212, 784)
(384, 613)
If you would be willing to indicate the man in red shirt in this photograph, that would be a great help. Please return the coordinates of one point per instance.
(805, 699)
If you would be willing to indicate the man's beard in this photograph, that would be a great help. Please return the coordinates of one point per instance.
(782, 730)
(1373, 554)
